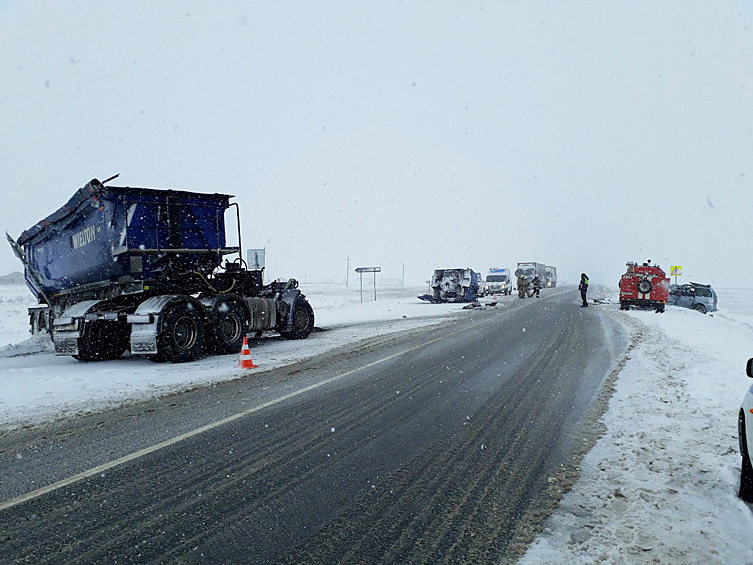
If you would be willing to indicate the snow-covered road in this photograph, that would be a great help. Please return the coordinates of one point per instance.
(659, 487)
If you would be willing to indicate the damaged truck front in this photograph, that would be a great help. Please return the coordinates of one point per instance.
(453, 285)
(121, 268)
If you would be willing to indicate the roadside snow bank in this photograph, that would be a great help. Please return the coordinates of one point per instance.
(661, 485)
(15, 300)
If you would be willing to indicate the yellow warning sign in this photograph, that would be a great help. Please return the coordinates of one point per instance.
(675, 271)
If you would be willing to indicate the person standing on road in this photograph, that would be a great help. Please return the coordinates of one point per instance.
(536, 286)
(522, 286)
(583, 288)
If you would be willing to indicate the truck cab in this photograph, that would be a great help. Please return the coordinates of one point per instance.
(530, 269)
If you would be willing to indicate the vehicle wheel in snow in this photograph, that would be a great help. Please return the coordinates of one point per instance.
(102, 341)
(181, 334)
(303, 320)
(746, 469)
(700, 308)
(644, 286)
(229, 328)
(624, 306)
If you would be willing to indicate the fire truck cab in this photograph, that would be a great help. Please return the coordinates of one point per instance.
(644, 286)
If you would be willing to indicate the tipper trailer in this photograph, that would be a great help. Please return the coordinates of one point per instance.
(141, 268)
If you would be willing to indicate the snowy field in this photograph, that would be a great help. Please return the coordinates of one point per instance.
(659, 487)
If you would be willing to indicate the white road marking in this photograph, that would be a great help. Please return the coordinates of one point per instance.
(168, 442)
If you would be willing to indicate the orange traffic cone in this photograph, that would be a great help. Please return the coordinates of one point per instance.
(245, 361)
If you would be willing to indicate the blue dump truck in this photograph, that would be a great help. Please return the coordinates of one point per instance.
(453, 285)
(121, 268)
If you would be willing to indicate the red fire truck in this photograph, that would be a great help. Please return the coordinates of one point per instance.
(644, 286)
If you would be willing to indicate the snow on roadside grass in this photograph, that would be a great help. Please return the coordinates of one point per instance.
(661, 485)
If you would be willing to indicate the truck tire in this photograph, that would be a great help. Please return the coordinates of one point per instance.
(228, 329)
(644, 286)
(303, 320)
(181, 334)
(102, 341)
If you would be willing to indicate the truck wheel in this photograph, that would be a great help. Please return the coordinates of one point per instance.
(102, 341)
(644, 286)
(624, 305)
(700, 308)
(181, 336)
(229, 328)
(303, 320)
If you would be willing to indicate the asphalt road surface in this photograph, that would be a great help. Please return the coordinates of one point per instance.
(442, 445)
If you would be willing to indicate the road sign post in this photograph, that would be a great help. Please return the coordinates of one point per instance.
(362, 270)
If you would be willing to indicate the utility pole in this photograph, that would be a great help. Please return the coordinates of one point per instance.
(347, 271)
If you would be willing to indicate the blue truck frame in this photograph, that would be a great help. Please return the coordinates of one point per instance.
(120, 267)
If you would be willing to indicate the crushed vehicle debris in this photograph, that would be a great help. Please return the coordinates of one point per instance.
(453, 285)
(696, 296)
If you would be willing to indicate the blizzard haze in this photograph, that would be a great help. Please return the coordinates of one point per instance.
(430, 134)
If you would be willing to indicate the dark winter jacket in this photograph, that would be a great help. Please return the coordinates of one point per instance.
(583, 283)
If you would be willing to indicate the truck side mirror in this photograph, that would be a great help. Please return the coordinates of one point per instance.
(749, 368)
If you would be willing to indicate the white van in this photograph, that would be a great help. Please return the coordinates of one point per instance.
(498, 281)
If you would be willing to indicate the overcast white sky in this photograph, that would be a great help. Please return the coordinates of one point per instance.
(435, 134)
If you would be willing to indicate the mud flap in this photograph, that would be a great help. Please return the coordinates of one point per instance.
(145, 324)
(66, 330)
(288, 297)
